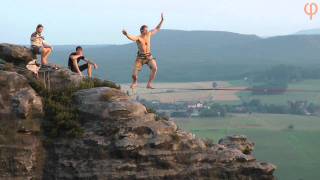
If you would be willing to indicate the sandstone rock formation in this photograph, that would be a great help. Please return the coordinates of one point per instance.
(17, 98)
(20, 107)
(15, 54)
(20, 55)
(121, 140)
(239, 142)
(59, 79)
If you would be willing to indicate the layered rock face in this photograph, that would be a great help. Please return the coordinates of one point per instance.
(17, 98)
(59, 79)
(238, 142)
(16, 54)
(20, 108)
(121, 140)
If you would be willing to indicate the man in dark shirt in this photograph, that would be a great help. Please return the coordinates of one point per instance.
(74, 59)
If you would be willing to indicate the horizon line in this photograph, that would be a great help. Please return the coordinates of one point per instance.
(119, 44)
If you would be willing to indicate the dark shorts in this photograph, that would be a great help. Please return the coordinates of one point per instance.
(81, 68)
(36, 49)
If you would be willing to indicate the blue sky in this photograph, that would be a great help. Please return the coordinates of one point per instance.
(101, 21)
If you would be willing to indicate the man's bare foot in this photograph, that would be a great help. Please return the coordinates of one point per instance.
(134, 85)
(149, 86)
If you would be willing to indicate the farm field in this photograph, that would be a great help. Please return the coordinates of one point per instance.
(171, 92)
(295, 151)
(166, 92)
(313, 97)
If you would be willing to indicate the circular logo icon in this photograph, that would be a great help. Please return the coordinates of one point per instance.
(311, 9)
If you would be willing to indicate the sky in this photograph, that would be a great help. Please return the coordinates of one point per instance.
(101, 21)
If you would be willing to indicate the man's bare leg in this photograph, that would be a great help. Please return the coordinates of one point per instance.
(89, 70)
(48, 54)
(45, 55)
(154, 69)
(134, 81)
(137, 67)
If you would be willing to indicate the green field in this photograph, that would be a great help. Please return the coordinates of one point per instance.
(294, 151)
(284, 98)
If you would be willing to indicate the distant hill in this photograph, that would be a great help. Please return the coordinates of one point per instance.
(202, 55)
(309, 32)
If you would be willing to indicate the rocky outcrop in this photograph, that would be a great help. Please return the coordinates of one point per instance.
(123, 141)
(51, 78)
(17, 98)
(21, 109)
(16, 54)
(59, 79)
(239, 142)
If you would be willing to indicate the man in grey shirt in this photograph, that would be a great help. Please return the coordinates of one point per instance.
(39, 46)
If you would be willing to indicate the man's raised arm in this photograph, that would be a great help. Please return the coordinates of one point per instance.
(130, 37)
(157, 29)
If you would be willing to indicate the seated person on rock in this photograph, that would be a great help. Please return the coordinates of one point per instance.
(39, 46)
(74, 59)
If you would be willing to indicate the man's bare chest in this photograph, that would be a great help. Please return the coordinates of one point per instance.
(144, 41)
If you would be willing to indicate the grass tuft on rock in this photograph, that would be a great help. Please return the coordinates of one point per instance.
(158, 116)
(7, 66)
(208, 142)
(95, 82)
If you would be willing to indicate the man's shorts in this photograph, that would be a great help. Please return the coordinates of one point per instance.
(142, 61)
(37, 49)
(81, 68)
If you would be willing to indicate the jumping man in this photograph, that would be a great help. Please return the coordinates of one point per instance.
(39, 46)
(144, 55)
(74, 60)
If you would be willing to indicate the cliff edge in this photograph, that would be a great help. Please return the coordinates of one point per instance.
(101, 133)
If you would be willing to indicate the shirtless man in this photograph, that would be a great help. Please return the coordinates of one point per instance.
(39, 46)
(144, 55)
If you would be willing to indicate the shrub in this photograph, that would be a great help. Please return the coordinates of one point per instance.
(291, 127)
(151, 110)
(158, 116)
(95, 82)
(8, 67)
(208, 142)
(216, 110)
(62, 118)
